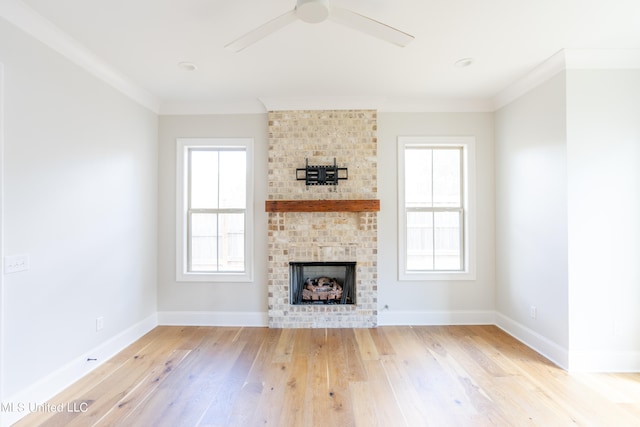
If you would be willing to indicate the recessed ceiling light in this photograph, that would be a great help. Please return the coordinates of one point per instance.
(464, 62)
(187, 66)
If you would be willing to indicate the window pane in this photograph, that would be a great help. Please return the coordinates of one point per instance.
(418, 175)
(231, 242)
(419, 240)
(446, 178)
(204, 179)
(233, 177)
(447, 241)
(204, 242)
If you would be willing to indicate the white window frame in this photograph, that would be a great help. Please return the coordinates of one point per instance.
(468, 271)
(182, 183)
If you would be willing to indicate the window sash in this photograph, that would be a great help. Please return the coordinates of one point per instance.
(220, 191)
(432, 203)
(434, 250)
(224, 242)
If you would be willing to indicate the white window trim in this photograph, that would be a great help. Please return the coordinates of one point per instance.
(469, 178)
(182, 275)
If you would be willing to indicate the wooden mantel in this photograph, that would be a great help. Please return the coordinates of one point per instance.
(322, 205)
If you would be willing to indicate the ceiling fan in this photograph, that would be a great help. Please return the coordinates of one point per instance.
(314, 11)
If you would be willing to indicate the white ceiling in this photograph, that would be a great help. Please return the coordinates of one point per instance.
(144, 40)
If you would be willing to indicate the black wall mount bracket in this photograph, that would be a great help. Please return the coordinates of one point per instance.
(321, 174)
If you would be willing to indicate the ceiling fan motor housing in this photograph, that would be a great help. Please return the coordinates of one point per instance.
(312, 11)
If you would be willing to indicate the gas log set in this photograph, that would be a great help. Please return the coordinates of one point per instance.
(321, 289)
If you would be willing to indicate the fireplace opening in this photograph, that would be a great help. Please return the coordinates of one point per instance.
(323, 282)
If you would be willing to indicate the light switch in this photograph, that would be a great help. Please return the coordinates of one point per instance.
(16, 263)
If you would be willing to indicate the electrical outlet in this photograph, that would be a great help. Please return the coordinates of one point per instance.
(99, 323)
(16, 263)
(533, 312)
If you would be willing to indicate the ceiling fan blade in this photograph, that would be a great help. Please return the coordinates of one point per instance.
(370, 26)
(262, 31)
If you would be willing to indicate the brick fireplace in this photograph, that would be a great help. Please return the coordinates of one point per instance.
(327, 223)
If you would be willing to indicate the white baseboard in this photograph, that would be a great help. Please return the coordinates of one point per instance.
(549, 349)
(213, 318)
(402, 318)
(43, 390)
(604, 361)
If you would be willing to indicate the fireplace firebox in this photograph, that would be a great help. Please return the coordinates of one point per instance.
(322, 282)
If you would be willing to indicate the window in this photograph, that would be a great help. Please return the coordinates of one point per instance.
(214, 216)
(435, 208)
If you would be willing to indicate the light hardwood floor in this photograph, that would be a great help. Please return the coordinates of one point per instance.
(387, 376)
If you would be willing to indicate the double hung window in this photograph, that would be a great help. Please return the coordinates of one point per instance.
(434, 207)
(214, 215)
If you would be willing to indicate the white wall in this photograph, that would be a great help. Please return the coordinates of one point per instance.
(567, 209)
(80, 198)
(531, 218)
(210, 303)
(432, 302)
(603, 128)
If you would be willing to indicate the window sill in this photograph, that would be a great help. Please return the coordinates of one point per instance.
(448, 276)
(214, 277)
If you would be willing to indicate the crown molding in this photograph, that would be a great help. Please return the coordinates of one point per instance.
(608, 59)
(196, 108)
(32, 23)
(379, 103)
(568, 59)
(275, 103)
(383, 105)
(540, 74)
(437, 105)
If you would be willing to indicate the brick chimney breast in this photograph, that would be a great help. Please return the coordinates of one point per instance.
(349, 136)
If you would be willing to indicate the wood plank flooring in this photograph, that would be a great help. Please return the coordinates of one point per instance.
(388, 376)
